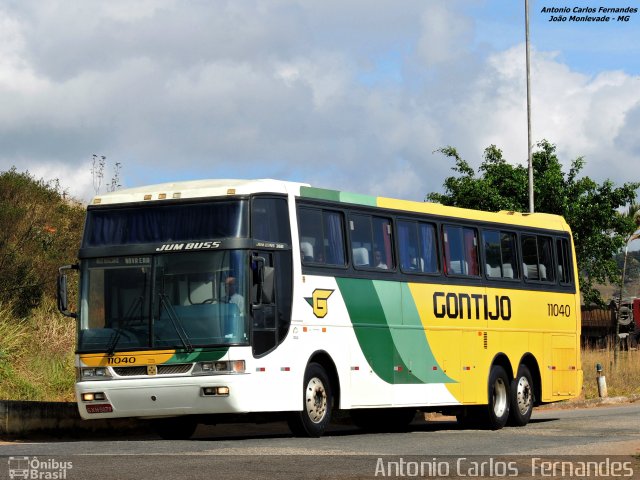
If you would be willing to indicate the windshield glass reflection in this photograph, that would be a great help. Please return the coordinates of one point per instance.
(168, 301)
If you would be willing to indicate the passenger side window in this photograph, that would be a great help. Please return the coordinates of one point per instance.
(460, 250)
(371, 242)
(564, 260)
(500, 254)
(321, 237)
(418, 248)
(537, 258)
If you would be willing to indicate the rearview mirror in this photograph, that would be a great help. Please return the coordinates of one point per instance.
(264, 282)
(62, 297)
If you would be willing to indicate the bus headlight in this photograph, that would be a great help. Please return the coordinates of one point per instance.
(94, 373)
(219, 367)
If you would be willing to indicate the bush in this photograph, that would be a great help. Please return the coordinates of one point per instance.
(40, 230)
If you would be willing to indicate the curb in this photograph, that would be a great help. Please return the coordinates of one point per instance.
(21, 418)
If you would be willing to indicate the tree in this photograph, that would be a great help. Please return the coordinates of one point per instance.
(590, 209)
(39, 231)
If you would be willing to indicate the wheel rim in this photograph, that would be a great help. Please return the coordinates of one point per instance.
(523, 395)
(500, 400)
(316, 400)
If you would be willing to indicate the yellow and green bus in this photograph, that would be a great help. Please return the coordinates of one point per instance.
(202, 300)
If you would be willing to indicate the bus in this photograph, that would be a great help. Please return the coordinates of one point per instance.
(208, 299)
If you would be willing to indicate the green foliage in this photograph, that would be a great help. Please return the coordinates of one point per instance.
(591, 209)
(633, 266)
(33, 369)
(39, 231)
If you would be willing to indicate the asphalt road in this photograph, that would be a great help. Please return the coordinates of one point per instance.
(610, 435)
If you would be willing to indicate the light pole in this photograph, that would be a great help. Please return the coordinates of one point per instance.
(529, 154)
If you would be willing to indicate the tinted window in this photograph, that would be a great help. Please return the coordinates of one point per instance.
(270, 220)
(537, 258)
(321, 237)
(545, 252)
(418, 249)
(500, 254)
(371, 242)
(166, 223)
(564, 260)
(460, 250)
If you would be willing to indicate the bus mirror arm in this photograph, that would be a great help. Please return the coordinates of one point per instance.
(62, 297)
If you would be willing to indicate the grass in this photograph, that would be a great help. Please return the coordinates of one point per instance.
(36, 359)
(36, 355)
(623, 375)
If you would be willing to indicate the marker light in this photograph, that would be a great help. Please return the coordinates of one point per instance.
(215, 391)
(90, 397)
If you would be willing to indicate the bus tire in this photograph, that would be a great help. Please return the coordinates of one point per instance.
(317, 397)
(174, 428)
(495, 415)
(522, 398)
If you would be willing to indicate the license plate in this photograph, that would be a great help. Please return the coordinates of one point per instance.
(100, 408)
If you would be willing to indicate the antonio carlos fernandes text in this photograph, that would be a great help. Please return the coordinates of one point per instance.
(490, 467)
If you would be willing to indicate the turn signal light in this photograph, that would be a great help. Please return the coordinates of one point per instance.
(215, 391)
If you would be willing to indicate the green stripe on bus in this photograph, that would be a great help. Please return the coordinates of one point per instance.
(320, 193)
(199, 355)
(369, 325)
(358, 199)
(398, 354)
(337, 196)
(415, 344)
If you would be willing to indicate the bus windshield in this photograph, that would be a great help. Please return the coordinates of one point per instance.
(177, 300)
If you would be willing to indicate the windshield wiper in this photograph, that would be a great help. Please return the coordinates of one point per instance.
(176, 322)
(125, 321)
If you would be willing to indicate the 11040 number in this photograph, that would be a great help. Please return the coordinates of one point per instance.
(120, 360)
(555, 310)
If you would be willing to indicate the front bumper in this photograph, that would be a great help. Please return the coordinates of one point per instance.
(158, 397)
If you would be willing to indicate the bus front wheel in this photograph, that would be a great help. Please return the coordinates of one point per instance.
(317, 399)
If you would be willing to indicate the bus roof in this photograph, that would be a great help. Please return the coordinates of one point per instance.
(196, 189)
(226, 187)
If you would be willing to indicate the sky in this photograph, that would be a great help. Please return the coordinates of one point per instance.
(353, 95)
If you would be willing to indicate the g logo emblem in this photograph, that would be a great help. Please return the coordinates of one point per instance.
(319, 302)
(152, 369)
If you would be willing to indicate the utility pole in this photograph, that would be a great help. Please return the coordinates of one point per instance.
(529, 153)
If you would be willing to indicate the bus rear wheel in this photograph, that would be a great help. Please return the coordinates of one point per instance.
(495, 415)
(317, 398)
(522, 398)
